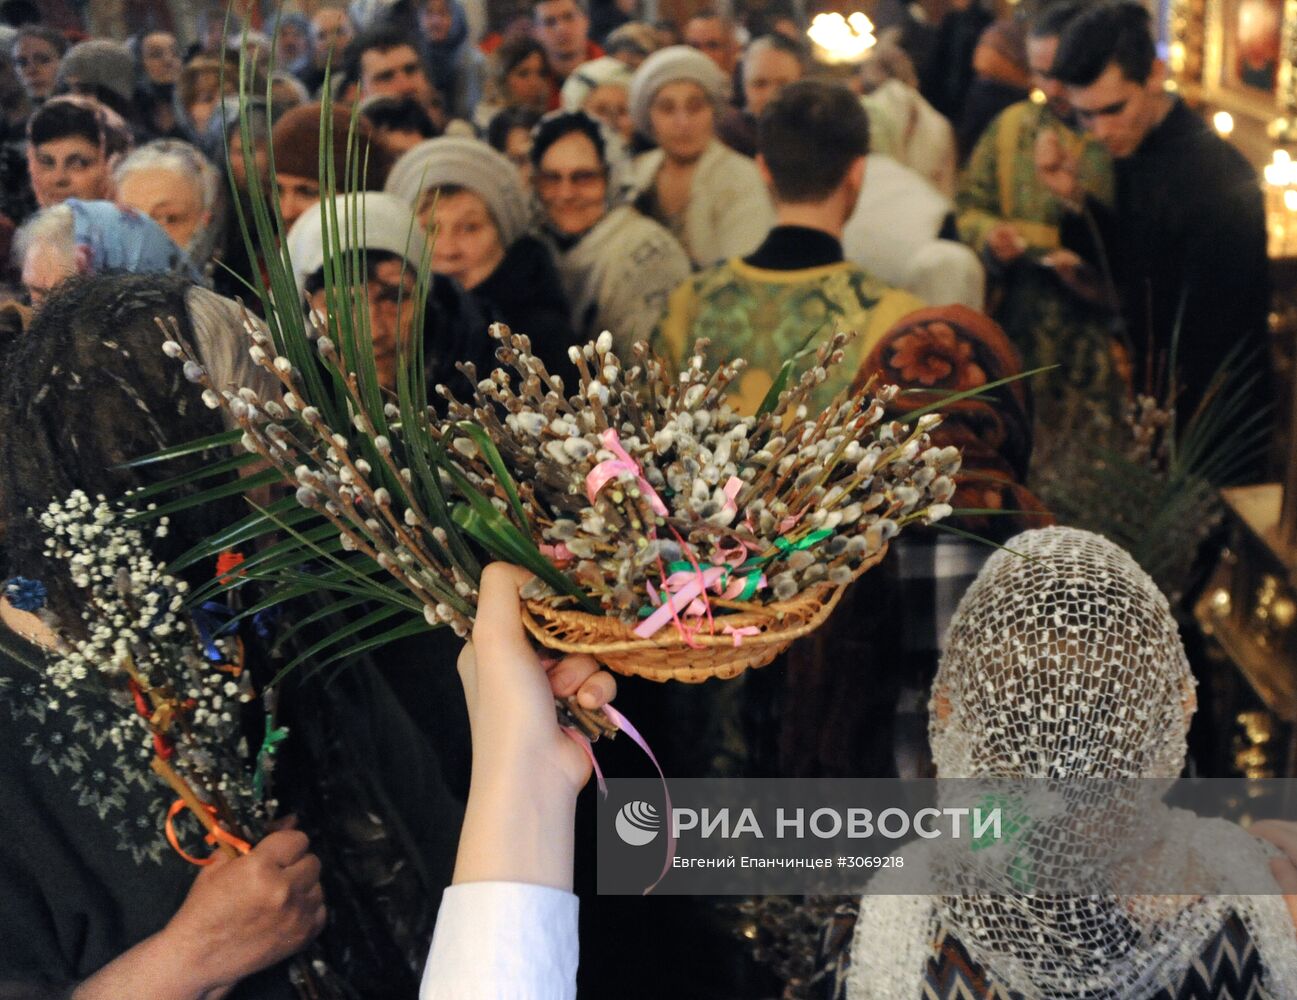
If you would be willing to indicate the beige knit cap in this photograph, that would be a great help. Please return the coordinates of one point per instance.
(675, 62)
(468, 163)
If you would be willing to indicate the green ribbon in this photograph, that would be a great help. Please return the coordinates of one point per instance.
(751, 578)
(750, 569)
(275, 735)
(1015, 822)
(785, 546)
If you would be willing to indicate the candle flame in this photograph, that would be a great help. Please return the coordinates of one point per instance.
(841, 39)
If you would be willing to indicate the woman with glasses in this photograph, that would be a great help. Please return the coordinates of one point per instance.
(618, 266)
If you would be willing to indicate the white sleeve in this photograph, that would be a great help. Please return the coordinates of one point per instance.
(503, 941)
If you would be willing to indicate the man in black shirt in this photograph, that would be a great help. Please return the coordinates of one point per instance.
(1184, 247)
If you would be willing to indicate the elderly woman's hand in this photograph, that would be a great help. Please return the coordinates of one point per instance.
(526, 771)
(240, 916)
(245, 914)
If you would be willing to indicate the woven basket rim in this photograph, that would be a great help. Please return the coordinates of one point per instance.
(808, 609)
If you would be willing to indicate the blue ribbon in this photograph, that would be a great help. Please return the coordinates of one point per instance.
(25, 594)
(213, 620)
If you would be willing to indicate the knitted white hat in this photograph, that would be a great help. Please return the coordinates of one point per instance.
(586, 78)
(381, 222)
(466, 163)
(675, 62)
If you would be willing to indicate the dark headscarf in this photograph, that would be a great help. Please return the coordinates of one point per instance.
(86, 390)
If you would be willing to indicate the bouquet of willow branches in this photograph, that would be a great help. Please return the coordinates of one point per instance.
(670, 536)
(1153, 486)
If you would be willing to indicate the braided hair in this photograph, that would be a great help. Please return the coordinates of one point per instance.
(85, 390)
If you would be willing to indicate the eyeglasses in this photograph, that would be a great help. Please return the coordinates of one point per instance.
(550, 179)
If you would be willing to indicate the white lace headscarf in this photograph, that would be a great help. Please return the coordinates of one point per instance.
(1063, 663)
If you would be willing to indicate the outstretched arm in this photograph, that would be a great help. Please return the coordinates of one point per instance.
(526, 772)
(507, 925)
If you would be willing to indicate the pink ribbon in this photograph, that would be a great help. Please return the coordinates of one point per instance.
(686, 595)
(703, 581)
(732, 487)
(737, 585)
(560, 555)
(623, 465)
(739, 633)
(790, 522)
(693, 585)
(622, 723)
(733, 554)
(583, 741)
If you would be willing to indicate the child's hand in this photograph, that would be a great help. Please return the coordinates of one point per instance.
(526, 771)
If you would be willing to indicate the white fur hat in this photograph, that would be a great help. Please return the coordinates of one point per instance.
(382, 222)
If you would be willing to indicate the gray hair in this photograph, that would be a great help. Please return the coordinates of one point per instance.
(51, 228)
(180, 158)
(887, 61)
(776, 43)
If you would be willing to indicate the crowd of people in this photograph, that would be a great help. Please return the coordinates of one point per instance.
(637, 167)
(978, 198)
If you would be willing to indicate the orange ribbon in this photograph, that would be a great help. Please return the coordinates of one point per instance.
(226, 563)
(234, 669)
(215, 834)
(161, 745)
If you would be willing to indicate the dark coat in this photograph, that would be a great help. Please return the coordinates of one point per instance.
(1185, 239)
(526, 294)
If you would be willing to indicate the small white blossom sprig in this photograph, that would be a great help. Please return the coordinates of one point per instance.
(621, 484)
(178, 691)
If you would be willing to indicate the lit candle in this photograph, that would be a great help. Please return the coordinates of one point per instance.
(841, 39)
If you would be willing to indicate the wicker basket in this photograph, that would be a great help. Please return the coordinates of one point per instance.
(666, 657)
